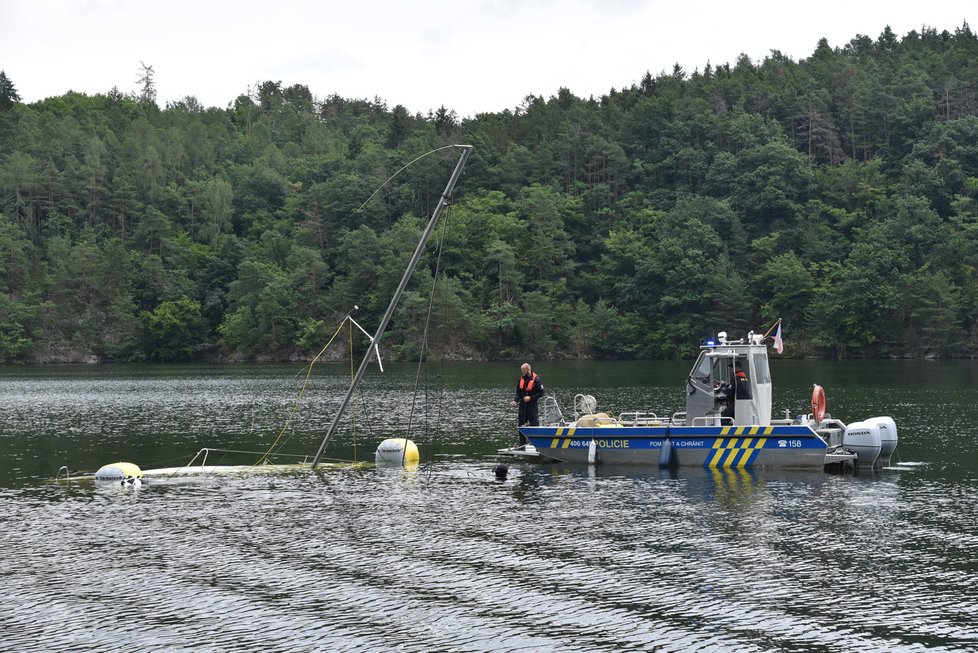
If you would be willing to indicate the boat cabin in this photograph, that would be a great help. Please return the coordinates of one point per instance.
(714, 396)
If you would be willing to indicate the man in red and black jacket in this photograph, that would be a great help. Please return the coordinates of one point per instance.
(742, 382)
(529, 389)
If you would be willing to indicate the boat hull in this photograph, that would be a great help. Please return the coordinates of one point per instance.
(754, 447)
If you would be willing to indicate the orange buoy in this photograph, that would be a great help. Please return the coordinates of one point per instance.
(818, 403)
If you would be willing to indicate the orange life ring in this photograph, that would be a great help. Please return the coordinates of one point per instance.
(818, 403)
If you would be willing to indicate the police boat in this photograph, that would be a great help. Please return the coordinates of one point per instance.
(727, 424)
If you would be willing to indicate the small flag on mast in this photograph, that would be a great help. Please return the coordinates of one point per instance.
(778, 343)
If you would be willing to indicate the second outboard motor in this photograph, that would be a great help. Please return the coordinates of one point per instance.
(888, 437)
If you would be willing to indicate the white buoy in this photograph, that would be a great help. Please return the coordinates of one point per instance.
(397, 451)
(118, 472)
(592, 453)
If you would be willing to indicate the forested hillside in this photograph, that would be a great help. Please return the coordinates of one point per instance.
(839, 192)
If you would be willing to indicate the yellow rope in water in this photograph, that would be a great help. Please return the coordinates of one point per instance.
(298, 399)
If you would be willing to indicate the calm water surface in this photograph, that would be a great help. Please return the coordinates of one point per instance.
(446, 558)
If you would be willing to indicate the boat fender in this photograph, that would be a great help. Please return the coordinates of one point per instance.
(397, 451)
(667, 458)
(592, 453)
(118, 472)
(818, 403)
(501, 470)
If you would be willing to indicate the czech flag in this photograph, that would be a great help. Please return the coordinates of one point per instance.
(778, 343)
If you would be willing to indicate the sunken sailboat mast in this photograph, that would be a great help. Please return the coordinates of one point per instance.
(442, 203)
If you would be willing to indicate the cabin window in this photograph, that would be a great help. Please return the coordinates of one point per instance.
(761, 372)
(702, 370)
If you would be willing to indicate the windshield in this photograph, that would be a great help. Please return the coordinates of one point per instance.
(713, 367)
(701, 371)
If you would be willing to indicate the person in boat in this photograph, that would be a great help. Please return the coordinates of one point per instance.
(742, 382)
(737, 388)
(529, 389)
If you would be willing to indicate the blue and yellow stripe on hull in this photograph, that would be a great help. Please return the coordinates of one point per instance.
(746, 430)
(726, 447)
(735, 452)
(738, 452)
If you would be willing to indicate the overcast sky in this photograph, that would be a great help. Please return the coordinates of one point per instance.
(470, 56)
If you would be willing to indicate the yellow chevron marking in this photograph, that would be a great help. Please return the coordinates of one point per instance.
(746, 430)
(559, 431)
(566, 443)
(744, 457)
(571, 430)
(721, 448)
(715, 458)
(736, 452)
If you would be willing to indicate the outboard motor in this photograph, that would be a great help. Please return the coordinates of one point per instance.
(864, 439)
(888, 437)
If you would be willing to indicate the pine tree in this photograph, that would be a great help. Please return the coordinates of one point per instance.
(8, 93)
(148, 92)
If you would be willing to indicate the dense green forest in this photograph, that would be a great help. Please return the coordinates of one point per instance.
(838, 192)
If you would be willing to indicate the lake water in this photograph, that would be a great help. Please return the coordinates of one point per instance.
(447, 558)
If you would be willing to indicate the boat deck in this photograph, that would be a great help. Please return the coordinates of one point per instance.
(526, 452)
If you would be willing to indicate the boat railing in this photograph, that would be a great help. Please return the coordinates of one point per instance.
(202, 455)
(641, 419)
(551, 412)
(713, 420)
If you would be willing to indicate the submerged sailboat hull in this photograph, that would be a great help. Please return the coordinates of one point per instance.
(755, 447)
